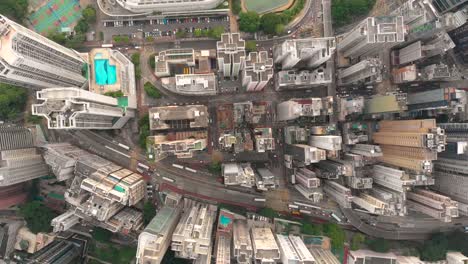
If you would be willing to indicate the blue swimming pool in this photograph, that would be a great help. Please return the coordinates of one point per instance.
(225, 221)
(105, 74)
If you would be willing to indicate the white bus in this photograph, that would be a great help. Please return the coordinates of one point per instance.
(190, 169)
(178, 166)
(168, 179)
(336, 217)
(307, 205)
(292, 206)
(123, 146)
(107, 45)
(305, 211)
(141, 165)
(259, 199)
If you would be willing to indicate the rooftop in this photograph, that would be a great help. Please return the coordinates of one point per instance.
(178, 117)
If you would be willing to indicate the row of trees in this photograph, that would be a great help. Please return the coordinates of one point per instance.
(271, 23)
(12, 101)
(14, 9)
(343, 11)
(136, 62)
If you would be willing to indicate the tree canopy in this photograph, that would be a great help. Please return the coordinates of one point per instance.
(89, 14)
(249, 21)
(378, 245)
(149, 211)
(37, 216)
(336, 234)
(14, 9)
(270, 22)
(311, 229)
(343, 11)
(152, 91)
(115, 94)
(357, 241)
(143, 125)
(101, 234)
(12, 101)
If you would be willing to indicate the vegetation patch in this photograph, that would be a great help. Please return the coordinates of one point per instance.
(344, 11)
(12, 101)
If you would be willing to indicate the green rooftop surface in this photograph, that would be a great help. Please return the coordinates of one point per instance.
(122, 102)
(159, 222)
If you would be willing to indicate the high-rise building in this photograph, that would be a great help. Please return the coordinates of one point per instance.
(100, 193)
(444, 6)
(178, 117)
(73, 108)
(238, 174)
(304, 79)
(264, 245)
(167, 58)
(368, 71)
(304, 53)
(30, 60)
(433, 204)
(179, 144)
(305, 155)
(242, 249)
(191, 238)
(20, 161)
(372, 35)
(61, 158)
(154, 241)
(258, 71)
(293, 250)
(231, 54)
(385, 103)
(307, 107)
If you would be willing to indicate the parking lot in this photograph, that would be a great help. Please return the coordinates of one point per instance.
(164, 27)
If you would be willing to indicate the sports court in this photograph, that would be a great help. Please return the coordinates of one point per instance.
(53, 15)
(264, 6)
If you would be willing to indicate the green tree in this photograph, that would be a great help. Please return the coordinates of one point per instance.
(75, 41)
(101, 35)
(216, 32)
(14, 9)
(269, 22)
(82, 26)
(336, 234)
(458, 241)
(378, 245)
(279, 29)
(249, 22)
(268, 212)
(34, 119)
(115, 94)
(181, 34)
(89, 14)
(150, 39)
(215, 168)
(236, 7)
(251, 45)
(357, 240)
(37, 216)
(149, 211)
(344, 11)
(152, 91)
(101, 234)
(136, 62)
(152, 62)
(143, 125)
(435, 248)
(58, 37)
(311, 229)
(12, 101)
(197, 33)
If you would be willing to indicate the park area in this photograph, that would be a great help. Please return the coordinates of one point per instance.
(267, 6)
(53, 15)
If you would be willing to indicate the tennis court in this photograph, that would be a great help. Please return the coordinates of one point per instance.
(54, 15)
(264, 6)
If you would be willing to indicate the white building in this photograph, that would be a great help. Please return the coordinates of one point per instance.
(154, 241)
(30, 60)
(264, 246)
(196, 84)
(368, 71)
(328, 142)
(456, 258)
(372, 35)
(192, 236)
(73, 108)
(310, 53)
(293, 250)
(258, 71)
(242, 245)
(149, 6)
(19, 159)
(61, 158)
(308, 107)
(238, 174)
(304, 79)
(231, 54)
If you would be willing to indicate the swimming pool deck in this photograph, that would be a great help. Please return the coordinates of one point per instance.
(102, 89)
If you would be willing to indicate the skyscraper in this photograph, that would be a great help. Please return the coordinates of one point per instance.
(30, 60)
(73, 108)
(372, 35)
(19, 159)
(231, 54)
